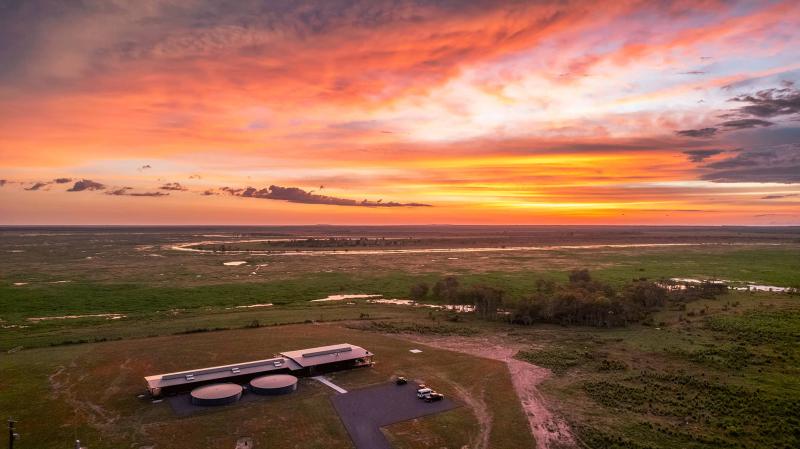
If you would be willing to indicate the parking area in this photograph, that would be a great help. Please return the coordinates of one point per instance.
(365, 411)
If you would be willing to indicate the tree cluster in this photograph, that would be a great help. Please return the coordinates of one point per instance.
(582, 300)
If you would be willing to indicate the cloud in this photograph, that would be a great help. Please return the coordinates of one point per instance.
(780, 164)
(765, 103)
(701, 133)
(62, 180)
(86, 184)
(776, 197)
(745, 123)
(231, 190)
(173, 186)
(37, 186)
(693, 72)
(3, 182)
(144, 167)
(701, 155)
(210, 192)
(195, 177)
(769, 103)
(126, 191)
(297, 195)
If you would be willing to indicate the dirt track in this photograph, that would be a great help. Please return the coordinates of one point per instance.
(549, 430)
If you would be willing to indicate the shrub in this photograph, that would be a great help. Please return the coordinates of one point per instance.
(419, 291)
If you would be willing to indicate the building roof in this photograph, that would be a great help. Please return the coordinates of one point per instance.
(291, 360)
(326, 354)
(220, 372)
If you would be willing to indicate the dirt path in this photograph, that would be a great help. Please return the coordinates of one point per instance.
(478, 405)
(549, 430)
(95, 415)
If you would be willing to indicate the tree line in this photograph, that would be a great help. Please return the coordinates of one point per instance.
(582, 300)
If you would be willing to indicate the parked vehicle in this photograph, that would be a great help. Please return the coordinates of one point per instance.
(401, 381)
(423, 392)
(433, 397)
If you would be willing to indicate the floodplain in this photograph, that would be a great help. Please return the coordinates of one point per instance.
(87, 312)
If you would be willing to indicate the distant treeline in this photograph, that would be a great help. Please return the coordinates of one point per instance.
(329, 242)
(582, 300)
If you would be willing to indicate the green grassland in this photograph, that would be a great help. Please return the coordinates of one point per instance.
(718, 373)
(91, 391)
(729, 377)
(776, 266)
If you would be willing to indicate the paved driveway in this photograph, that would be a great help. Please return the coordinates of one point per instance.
(365, 411)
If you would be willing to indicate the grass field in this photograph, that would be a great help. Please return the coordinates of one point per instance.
(726, 377)
(718, 373)
(91, 391)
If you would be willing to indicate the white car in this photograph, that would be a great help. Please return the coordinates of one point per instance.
(422, 393)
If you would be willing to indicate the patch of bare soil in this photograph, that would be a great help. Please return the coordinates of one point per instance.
(549, 430)
(478, 405)
(96, 416)
(244, 443)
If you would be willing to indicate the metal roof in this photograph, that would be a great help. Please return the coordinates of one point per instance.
(220, 372)
(291, 360)
(326, 354)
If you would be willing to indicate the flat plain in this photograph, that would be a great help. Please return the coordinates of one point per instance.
(87, 312)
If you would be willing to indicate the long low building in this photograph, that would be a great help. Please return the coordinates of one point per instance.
(309, 361)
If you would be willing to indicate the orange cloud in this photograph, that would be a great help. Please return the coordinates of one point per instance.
(497, 112)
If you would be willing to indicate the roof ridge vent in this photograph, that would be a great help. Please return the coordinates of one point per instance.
(328, 351)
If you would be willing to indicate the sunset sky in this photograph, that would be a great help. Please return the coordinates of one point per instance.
(394, 112)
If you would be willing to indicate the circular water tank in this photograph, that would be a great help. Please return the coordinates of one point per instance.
(274, 384)
(216, 394)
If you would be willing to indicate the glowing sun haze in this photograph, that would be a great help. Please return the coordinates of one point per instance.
(393, 112)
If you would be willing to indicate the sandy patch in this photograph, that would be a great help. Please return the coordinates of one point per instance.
(251, 306)
(193, 247)
(234, 263)
(245, 443)
(749, 286)
(343, 297)
(550, 431)
(108, 316)
(459, 308)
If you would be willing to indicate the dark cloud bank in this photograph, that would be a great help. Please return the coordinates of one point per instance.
(699, 133)
(745, 123)
(126, 191)
(175, 186)
(701, 155)
(290, 194)
(779, 164)
(769, 103)
(297, 195)
(37, 186)
(777, 197)
(764, 104)
(776, 163)
(86, 184)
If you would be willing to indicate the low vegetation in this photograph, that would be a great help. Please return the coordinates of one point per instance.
(401, 327)
(639, 362)
(581, 301)
(557, 359)
(760, 326)
(729, 415)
